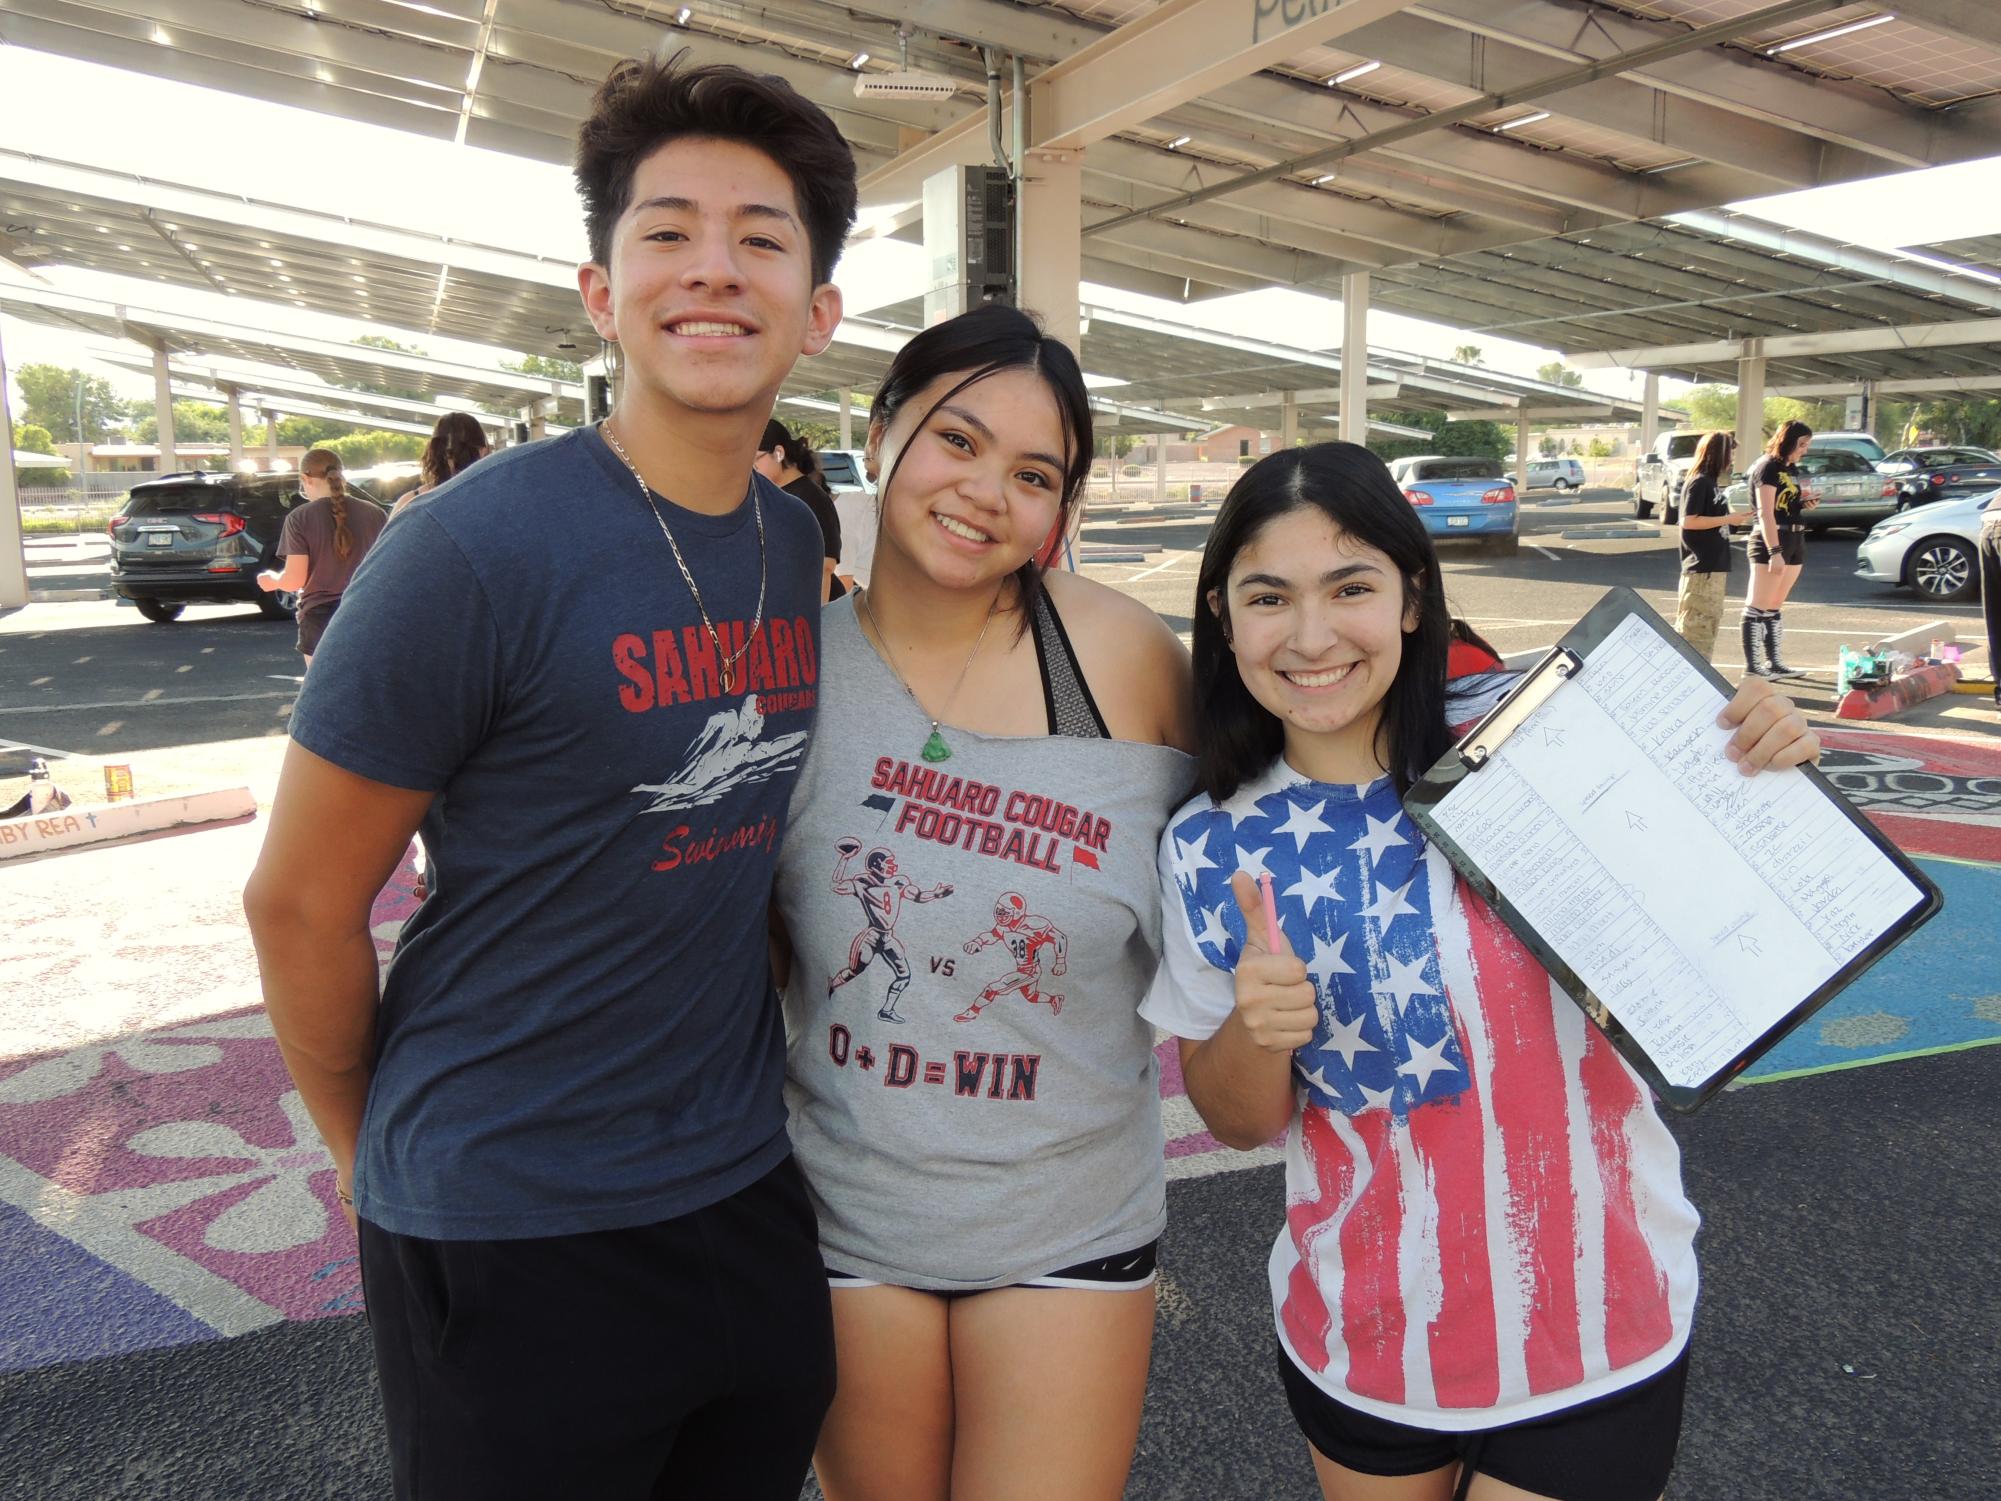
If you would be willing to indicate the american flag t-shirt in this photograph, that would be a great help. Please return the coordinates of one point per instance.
(1485, 1219)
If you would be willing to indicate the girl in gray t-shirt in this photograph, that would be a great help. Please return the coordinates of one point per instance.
(967, 883)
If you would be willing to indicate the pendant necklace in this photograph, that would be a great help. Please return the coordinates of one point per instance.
(935, 748)
(731, 662)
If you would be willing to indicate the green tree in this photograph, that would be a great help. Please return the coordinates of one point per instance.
(194, 422)
(1598, 448)
(545, 368)
(49, 395)
(30, 437)
(1486, 440)
(364, 450)
(1556, 373)
(1467, 354)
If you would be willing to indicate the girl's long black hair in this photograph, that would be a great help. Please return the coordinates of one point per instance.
(1237, 737)
(976, 344)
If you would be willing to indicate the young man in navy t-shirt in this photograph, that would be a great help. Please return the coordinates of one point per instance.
(586, 668)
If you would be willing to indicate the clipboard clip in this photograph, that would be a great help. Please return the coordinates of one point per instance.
(1537, 684)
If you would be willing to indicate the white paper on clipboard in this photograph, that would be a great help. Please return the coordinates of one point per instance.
(1700, 905)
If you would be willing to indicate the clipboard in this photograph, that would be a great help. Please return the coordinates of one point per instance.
(1524, 815)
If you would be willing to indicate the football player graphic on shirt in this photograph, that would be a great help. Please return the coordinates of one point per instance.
(1031, 940)
(882, 891)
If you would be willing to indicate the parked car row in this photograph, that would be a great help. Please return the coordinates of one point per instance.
(1930, 549)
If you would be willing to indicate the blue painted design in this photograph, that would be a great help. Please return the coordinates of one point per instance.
(63, 1305)
(1932, 983)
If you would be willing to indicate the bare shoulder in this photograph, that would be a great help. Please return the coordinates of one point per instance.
(1136, 666)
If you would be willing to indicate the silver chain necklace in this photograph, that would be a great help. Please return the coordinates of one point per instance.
(731, 660)
(935, 748)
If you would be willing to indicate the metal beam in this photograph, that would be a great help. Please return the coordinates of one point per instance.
(1852, 259)
(1487, 103)
(1632, 107)
(1968, 20)
(1177, 52)
(1852, 115)
(1914, 336)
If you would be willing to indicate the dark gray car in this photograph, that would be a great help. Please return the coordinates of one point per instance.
(202, 539)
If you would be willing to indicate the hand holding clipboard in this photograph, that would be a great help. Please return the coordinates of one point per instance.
(1696, 915)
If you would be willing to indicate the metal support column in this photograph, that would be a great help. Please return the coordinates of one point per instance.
(13, 547)
(1355, 357)
(1522, 443)
(1650, 411)
(270, 440)
(847, 419)
(163, 411)
(235, 410)
(1050, 207)
(1288, 420)
(1750, 401)
(1159, 467)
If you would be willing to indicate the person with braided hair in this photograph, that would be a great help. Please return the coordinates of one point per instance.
(457, 442)
(322, 544)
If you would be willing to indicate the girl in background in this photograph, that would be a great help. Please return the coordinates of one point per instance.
(1487, 1273)
(1777, 548)
(1705, 550)
(323, 542)
(457, 442)
(789, 464)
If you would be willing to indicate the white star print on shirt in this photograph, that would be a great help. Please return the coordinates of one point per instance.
(1346, 1039)
(1317, 1077)
(1426, 1059)
(1406, 979)
(1303, 823)
(1327, 962)
(1252, 862)
(1381, 836)
(1376, 1099)
(1390, 903)
(1314, 887)
(1192, 856)
(1213, 932)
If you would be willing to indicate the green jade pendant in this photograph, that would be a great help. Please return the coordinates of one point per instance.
(935, 749)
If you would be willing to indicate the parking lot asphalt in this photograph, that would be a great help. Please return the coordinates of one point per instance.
(1851, 1278)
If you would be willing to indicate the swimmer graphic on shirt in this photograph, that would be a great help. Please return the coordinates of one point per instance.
(1030, 940)
(882, 891)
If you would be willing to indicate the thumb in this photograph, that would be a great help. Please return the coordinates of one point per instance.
(1258, 924)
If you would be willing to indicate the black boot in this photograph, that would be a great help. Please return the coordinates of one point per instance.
(1774, 634)
(1751, 626)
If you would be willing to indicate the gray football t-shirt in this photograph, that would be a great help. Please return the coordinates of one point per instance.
(974, 1096)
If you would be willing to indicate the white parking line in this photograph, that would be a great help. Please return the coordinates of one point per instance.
(1545, 552)
(139, 703)
(1171, 562)
(40, 750)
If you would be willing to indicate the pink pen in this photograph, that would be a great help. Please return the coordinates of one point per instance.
(1272, 939)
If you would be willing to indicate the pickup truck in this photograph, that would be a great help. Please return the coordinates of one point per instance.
(1661, 469)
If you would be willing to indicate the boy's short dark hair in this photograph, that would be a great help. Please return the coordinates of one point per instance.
(645, 103)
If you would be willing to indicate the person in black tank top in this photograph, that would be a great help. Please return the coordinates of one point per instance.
(982, 434)
(1777, 549)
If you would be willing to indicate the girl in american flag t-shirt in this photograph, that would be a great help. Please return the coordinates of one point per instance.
(1487, 1273)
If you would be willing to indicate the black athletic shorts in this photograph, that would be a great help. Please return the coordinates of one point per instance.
(692, 1358)
(1128, 1271)
(1792, 546)
(1618, 1448)
(313, 625)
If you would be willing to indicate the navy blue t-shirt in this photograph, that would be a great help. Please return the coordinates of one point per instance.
(578, 1031)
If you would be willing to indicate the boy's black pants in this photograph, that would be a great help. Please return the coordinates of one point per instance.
(688, 1359)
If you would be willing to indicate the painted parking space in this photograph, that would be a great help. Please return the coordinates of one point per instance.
(160, 1184)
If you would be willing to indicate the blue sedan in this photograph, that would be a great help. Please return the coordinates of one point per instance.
(1461, 497)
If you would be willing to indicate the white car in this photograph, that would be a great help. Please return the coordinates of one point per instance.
(1931, 549)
